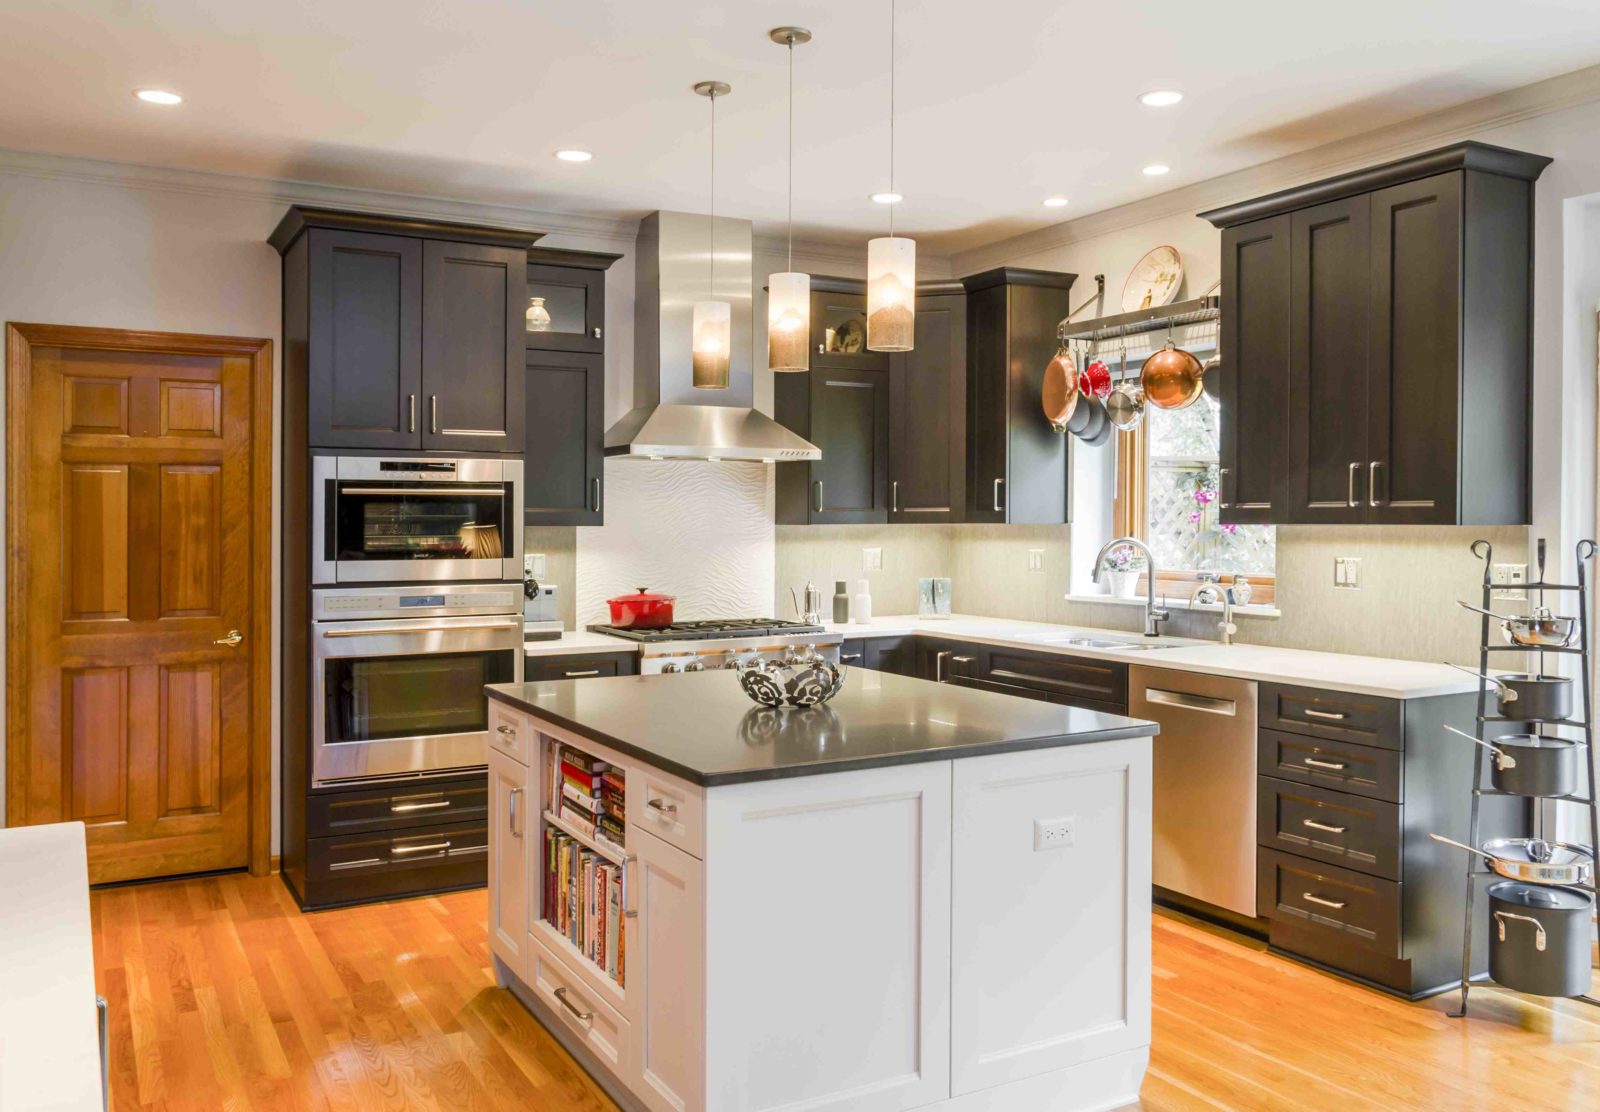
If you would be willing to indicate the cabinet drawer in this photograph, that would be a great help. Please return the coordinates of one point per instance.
(580, 667)
(398, 806)
(1336, 827)
(1332, 908)
(356, 867)
(667, 807)
(599, 1025)
(1064, 678)
(511, 732)
(1336, 715)
(1342, 766)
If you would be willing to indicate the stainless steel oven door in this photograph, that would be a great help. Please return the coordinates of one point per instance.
(390, 519)
(393, 698)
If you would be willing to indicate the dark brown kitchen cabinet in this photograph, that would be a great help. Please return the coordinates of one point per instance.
(472, 309)
(928, 405)
(403, 334)
(564, 478)
(1016, 463)
(1406, 335)
(572, 288)
(580, 666)
(845, 413)
(839, 326)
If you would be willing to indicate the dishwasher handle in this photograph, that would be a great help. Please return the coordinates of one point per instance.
(1228, 708)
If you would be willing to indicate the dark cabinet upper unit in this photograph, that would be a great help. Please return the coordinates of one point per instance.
(472, 303)
(928, 412)
(563, 482)
(1376, 338)
(845, 413)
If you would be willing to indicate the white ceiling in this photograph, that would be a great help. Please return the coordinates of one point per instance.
(1000, 104)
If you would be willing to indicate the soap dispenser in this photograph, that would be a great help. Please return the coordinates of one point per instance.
(841, 602)
(861, 612)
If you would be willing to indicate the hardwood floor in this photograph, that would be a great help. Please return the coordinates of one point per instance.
(224, 996)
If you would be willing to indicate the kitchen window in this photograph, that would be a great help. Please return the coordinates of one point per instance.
(1166, 495)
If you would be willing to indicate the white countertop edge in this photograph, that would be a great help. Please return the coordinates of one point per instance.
(1270, 612)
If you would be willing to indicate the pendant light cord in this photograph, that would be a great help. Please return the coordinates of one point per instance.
(791, 152)
(711, 263)
(891, 116)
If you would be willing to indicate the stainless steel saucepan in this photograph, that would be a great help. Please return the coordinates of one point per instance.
(1531, 764)
(1539, 630)
(1534, 860)
(1527, 697)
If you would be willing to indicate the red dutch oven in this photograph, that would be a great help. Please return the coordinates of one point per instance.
(641, 610)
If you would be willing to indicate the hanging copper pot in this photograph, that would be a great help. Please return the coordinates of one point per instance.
(1060, 393)
(1172, 378)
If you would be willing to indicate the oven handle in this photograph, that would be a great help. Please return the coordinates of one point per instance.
(492, 492)
(369, 632)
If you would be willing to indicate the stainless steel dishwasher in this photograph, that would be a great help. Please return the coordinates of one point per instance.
(1205, 783)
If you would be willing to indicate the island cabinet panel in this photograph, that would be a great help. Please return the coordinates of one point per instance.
(1056, 973)
(666, 975)
(836, 888)
(510, 861)
(597, 1025)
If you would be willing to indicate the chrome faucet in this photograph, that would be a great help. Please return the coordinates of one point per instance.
(1153, 614)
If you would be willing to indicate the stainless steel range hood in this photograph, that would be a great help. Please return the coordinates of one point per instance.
(671, 419)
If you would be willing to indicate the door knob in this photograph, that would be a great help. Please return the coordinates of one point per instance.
(233, 638)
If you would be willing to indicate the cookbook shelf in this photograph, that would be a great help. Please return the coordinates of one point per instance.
(1477, 868)
(583, 869)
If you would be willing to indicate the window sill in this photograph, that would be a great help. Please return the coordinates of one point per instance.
(1271, 612)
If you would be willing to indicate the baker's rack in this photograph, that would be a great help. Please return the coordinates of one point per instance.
(1476, 867)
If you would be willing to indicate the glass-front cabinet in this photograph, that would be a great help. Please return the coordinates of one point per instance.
(566, 308)
(839, 326)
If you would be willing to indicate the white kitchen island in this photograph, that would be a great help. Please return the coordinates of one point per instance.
(916, 897)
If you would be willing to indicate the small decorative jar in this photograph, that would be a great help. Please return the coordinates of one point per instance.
(537, 316)
(1124, 584)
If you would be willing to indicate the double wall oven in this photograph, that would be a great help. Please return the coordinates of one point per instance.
(416, 604)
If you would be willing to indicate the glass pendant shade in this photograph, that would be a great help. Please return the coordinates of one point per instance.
(713, 339)
(891, 293)
(789, 321)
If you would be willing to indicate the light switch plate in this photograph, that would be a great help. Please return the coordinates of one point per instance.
(1510, 573)
(872, 559)
(1035, 559)
(1347, 572)
(533, 565)
(1054, 833)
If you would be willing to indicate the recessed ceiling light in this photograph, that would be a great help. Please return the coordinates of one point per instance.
(1160, 98)
(157, 96)
(887, 198)
(1054, 202)
(1156, 169)
(574, 155)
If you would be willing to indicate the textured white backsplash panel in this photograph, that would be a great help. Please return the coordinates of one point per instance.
(700, 531)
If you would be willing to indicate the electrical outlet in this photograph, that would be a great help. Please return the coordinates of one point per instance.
(1035, 559)
(1511, 574)
(1054, 833)
(872, 559)
(1347, 572)
(533, 565)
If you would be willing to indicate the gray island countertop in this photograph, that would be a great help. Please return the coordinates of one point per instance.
(703, 728)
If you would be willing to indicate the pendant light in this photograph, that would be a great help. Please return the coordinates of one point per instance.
(713, 319)
(891, 263)
(789, 292)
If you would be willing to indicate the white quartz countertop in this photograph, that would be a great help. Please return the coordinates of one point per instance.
(579, 641)
(1362, 675)
(49, 1032)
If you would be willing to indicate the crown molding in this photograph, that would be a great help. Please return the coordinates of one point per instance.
(1464, 121)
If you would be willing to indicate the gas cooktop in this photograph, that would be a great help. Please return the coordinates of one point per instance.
(705, 631)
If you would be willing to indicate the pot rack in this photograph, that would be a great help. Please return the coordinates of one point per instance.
(1476, 867)
(1179, 314)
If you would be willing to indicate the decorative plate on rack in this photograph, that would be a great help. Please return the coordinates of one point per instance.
(1153, 281)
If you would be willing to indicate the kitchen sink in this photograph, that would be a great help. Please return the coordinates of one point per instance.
(1108, 643)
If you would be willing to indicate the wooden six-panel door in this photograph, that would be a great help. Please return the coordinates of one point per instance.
(137, 624)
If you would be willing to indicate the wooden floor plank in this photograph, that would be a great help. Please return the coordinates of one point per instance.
(223, 995)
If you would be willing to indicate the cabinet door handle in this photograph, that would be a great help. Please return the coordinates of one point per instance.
(580, 675)
(628, 910)
(511, 813)
(662, 807)
(1315, 825)
(1372, 482)
(849, 656)
(561, 995)
(1330, 715)
(411, 413)
(1336, 766)
(508, 731)
(597, 333)
(1350, 493)
(962, 659)
(938, 666)
(433, 413)
(894, 497)
(817, 493)
(822, 349)
(594, 493)
(1310, 898)
(997, 506)
(1222, 489)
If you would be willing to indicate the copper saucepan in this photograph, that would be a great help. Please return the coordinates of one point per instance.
(1060, 393)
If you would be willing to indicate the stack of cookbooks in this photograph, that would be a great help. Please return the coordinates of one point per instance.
(576, 788)
(583, 900)
(610, 824)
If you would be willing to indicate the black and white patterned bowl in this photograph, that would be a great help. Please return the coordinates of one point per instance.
(796, 682)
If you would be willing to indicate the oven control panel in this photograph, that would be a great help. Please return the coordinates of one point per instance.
(337, 604)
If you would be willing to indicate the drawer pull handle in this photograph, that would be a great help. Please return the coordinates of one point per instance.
(849, 656)
(1225, 707)
(1330, 715)
(1312, 898)
(561, 995)
(668, 810)
(1336, 766)
(426, 847)
(509, 731)
(430, 805)
(1315, 825)
(361, 864)
(580, 675)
